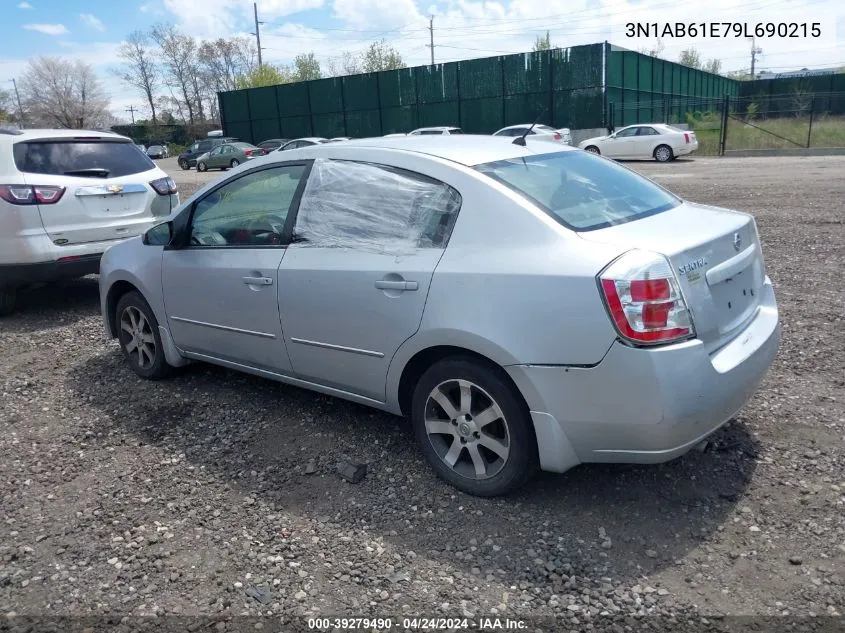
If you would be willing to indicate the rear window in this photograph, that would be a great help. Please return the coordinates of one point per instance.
(581, 191)
(243, 145)
(58, 157)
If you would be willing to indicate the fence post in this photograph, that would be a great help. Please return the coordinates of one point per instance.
(812, 107)
(723, 132)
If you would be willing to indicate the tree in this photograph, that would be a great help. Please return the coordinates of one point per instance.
(381, 56)
(179, 57)
(58, 92)
(140, 68)
(543, 42)
(223, 61)
(713, 66)
(690, 57)
(6, 105)
(305, 67)
(349, 64)
(742, 74)
(264, 75)
(655, 51)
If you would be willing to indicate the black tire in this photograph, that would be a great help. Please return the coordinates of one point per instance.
(8, 300)
(593, 150)
(133, 303)
(185, 165)
(201, 166)
(492, 383)
(235, 162)
(663, 154)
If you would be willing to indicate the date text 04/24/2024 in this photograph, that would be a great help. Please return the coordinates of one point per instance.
(724, 29)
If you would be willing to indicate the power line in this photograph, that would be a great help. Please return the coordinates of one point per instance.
(131, 110)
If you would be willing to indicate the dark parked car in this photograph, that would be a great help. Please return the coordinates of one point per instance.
(272, 143)
(188, 158)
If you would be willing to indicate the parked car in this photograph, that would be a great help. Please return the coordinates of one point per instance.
(442, 130)
(339, 138)
(613, 322)
(302, 142)
(394, 135)
(228, 155)
(660, 142)
(158, 150)
(188, 158)
(65, 197)
(272, 144)
(562, 135)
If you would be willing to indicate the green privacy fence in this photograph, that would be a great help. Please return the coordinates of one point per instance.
(645, 89)
(823, 94)
(562, 86)
(579, 87)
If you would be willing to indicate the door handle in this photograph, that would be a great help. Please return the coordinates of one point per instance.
(383, 284)
(258, 281)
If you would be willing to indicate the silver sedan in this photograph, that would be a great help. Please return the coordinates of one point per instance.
(525, 306)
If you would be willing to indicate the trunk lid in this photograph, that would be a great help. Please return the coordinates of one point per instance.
(715, 255)
(107, 193)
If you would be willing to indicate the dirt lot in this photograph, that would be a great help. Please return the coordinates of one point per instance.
(190, 496)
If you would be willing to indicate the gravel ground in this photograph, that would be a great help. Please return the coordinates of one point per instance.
(196, 496)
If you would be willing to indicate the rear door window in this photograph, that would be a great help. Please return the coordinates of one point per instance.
(72, 157)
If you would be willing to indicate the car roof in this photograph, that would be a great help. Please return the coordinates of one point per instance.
(437, 127)
(39, 133)
(466, 149)
(536, 126)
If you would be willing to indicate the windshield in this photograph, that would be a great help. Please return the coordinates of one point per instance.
(581, 191)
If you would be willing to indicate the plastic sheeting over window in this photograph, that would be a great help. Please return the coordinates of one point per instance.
(364, 206)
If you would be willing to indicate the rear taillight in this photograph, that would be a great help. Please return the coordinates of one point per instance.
(31, 194)
(644, 299)
(686, 137)
(164, 186)
(558, 136)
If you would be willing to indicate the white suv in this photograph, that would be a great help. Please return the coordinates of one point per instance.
(66, 196)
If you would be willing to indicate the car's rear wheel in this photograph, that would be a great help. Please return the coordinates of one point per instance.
(663, 154)
(137, 331)
(473, 427)
(235, 162)
(592, 149)
(201, 166)
(184, 164)
(8, 299)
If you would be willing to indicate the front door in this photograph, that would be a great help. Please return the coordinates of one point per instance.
(622, 145)
(354, 282)
(221, 289)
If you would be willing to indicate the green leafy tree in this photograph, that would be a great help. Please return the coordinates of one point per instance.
(690, 57)
(306, 67)
(543, 42)
(264, 75)
(381, 56)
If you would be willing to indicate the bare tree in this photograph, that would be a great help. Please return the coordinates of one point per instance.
(222, 61)
(381, 56)
(58, 92)
(690, 57)
(140, 68)
(543, 42)
(348, 64)
(656, 50)
(6, 107)
(179, 57)
(713, 66)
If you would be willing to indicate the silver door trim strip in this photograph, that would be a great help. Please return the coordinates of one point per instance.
(339, 348)
(223, 327)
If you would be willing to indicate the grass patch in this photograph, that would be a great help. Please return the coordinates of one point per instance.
(828, 131)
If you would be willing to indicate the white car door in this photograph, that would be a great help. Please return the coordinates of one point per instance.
(621, 144)
(646, 140)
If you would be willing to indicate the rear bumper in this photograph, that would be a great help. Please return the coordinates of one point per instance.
(649, 405)
(23, 274)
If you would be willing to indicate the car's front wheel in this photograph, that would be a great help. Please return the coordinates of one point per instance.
(201, 166)
(592, 149)
(473, 427)
(137, 331)
(663, 154)
(185, 165)
(8, 297)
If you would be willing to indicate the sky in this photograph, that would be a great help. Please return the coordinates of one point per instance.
(91, 30)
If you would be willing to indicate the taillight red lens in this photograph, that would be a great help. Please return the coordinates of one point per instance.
(557, 136)
(164, 186)
(644, 299)
(31, 194)
(686, 137)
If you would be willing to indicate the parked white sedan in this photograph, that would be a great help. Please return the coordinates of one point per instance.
(658, 141)
(542, 132)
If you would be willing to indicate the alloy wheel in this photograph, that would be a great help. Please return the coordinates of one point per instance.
(136, 336)
(663, 153)
(467, 429)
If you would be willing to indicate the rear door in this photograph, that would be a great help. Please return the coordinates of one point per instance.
(354, 282)
(107, 187)
(646, 140)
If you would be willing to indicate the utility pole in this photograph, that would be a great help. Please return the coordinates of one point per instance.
(257, 33)
(431, 33)
(20, 107)
(131, 110)
(754, 52)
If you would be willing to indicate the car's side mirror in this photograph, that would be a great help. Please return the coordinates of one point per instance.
(159, 235)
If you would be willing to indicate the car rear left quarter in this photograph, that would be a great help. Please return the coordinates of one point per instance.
(566, 317)
(65, 197)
